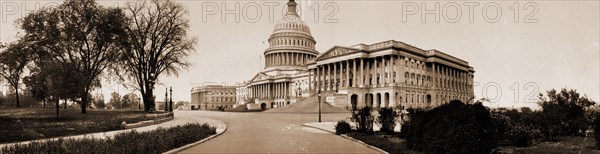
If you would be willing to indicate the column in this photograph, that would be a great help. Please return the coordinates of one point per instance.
(393, 72)
(270, 59)
(328, 77)
(369, 76)
(362, 72)
(354, 73)
(347, 73)
(385, 75)
(310, 76)
(386, 71)
(322, 78)
(381, 71)
(390, 64)
(335, 76)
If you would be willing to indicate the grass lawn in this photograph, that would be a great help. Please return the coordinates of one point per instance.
(566, 144)
(24, 124)
(127, 142)
(389, 143)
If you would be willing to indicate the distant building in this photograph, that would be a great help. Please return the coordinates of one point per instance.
(212, 97)
(389, 74)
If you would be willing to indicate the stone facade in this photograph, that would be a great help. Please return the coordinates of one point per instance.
(391, 74)
(385, 74)
(285, 77)
(213, 97)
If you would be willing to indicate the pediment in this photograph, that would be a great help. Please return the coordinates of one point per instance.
(259, 77)
(336, 51)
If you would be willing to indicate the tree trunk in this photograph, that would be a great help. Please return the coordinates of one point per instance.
(44, 103)
(65, 104)
(84, 101)
(148, 100)
(57, 107)
(17, 94)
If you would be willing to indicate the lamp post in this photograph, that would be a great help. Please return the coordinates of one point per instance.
(166, 100)
(319, 97)
(171, 99)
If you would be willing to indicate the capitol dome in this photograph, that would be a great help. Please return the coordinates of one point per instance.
(291, 43)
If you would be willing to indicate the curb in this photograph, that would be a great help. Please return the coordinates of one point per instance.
(128, 127)
(148, 123)
(349, 138)
(219, 132)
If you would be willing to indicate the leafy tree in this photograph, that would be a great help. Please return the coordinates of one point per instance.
(158, 44)
(2, 98)
(98, 101)
(13, 60)
(526, 110)
(452, 128)
(115, 100)
(363, 120)
(37, 85)
(596, 124)
(563, 113)
(180, 103)
(80, 34)
(387, 120)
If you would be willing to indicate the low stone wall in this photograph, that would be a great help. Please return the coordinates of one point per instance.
(159, 118)
(253, 107)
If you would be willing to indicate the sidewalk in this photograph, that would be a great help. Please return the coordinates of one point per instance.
(330, 126)
(179, 120)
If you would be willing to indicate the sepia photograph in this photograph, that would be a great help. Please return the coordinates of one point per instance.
(299, 76)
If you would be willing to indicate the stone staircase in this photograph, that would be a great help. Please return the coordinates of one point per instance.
(309, 105)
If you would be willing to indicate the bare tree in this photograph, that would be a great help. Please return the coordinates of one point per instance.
(79, 34)
(13, 60)
(158, 44)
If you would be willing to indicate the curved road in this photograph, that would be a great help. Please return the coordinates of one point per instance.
(273, 133)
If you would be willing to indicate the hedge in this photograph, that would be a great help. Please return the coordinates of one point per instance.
(155, 141)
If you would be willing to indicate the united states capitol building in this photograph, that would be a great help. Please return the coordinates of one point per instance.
(385, 74)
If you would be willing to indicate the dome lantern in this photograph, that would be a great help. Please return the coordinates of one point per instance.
(292, 7)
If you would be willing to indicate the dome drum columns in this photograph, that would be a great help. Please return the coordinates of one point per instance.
(287, 59)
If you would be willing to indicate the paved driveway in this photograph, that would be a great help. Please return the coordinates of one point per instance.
(273, 133)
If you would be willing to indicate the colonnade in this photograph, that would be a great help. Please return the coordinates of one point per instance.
(389, 70)
(279, 90)
(287, 59)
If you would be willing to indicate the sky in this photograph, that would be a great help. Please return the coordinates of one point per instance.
(518, 49)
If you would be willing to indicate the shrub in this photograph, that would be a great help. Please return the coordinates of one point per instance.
(563, 113)
(597, 129)
(511, 133)
(452, 128)
(387, 119)
(342, 127)
(155, 141)
(363, 119)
